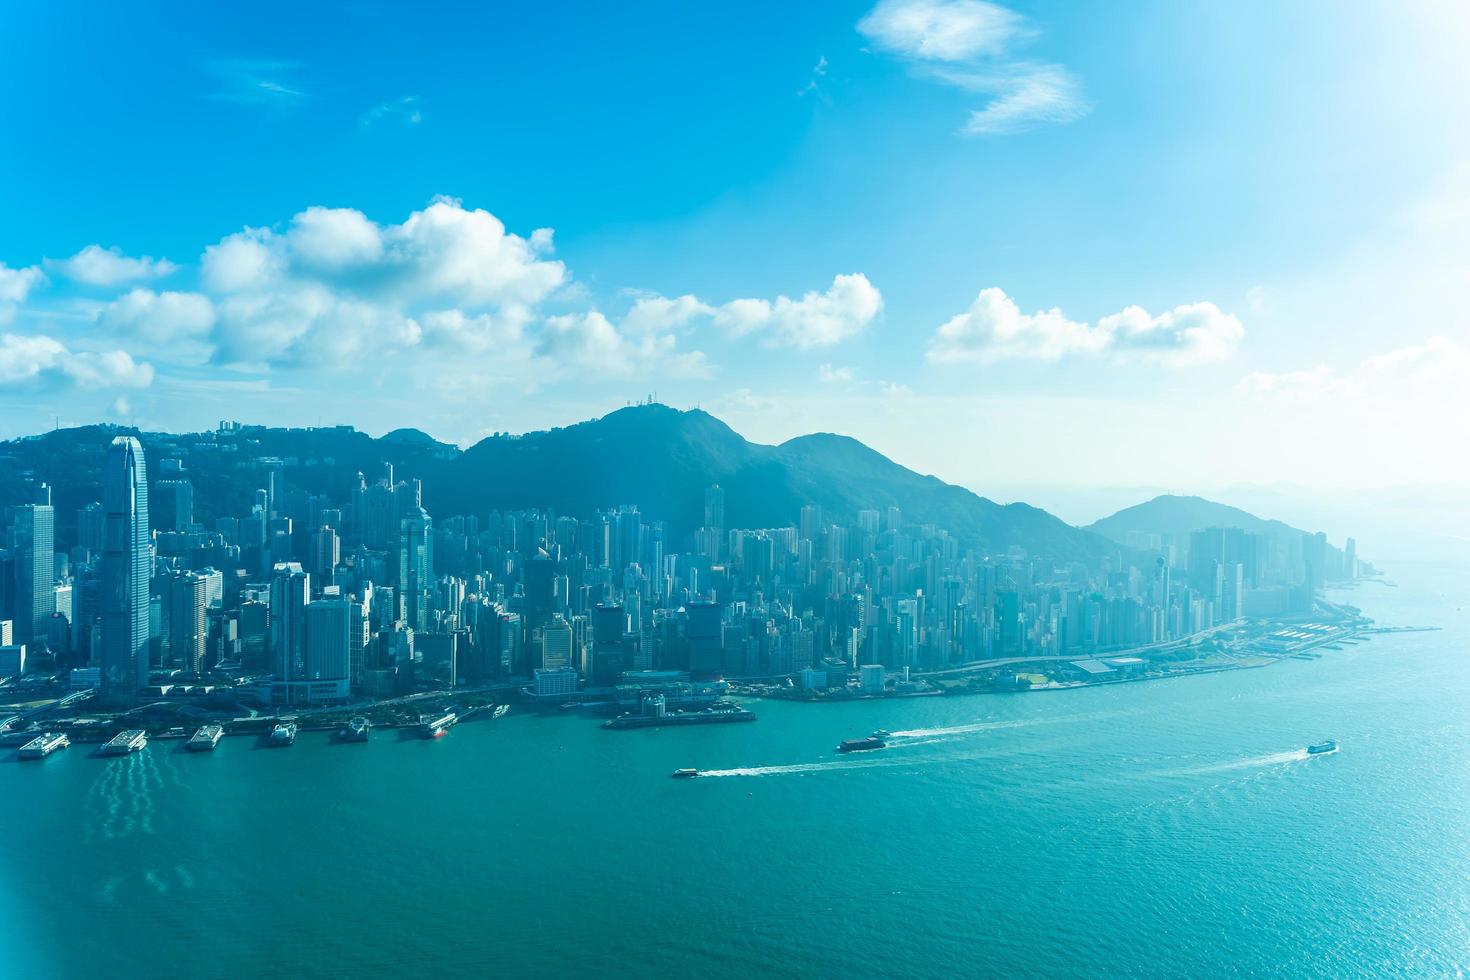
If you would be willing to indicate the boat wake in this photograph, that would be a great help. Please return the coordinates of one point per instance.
(1254, 762)
(121, 797)
(992, 726)
(801, 767)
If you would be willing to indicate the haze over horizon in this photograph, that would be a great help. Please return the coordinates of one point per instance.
(1043, 280)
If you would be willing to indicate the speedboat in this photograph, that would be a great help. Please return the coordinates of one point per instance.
(685, 773)
(1322, 748)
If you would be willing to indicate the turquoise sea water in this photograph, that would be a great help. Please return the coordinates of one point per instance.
(1174, 828)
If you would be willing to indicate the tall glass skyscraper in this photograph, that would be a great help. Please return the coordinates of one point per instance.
(127, 565)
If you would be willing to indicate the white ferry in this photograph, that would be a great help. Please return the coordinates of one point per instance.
(206, 739)
(126, 743)
(43, 745)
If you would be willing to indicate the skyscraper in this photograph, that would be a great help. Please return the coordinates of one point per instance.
(290, 595)
(127, 559)
(556, 644)
(416, 565)
(186, 596)
(326, 551)
(714, 507)
(329, 641)
(34, 536)
(174, 503)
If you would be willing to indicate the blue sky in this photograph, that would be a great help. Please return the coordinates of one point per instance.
(1168, 244)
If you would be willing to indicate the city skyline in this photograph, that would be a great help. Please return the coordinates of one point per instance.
(1032, 278)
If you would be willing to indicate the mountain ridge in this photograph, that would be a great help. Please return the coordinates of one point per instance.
(653, 456)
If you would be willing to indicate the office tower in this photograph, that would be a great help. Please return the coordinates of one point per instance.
(290, 595)
(378, 507)
(186, 599)
(706, 638)
(540, 589)
(329, 641)
(33, 532)
(173, 504)
(127, 565)
(609, 648)
(714, 522)
(359, 627)
(1008, 621)
(556, 644)
(416, 565)
(1233, 594)
(325, 553)
(90, 521)
(254, 630)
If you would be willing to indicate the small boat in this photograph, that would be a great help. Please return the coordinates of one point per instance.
(1322, 748)
(357, 730)
(206, 739)
(685, 773)
(571, 705)
(874, 741)
(283, 735)
(438, 727)
(882, 733)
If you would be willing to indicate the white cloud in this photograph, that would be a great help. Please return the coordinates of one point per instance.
(1434, 369)
(159, 317)
(941, 30)
(660, 314)
(503, 332)
(1315, 380)
(968, 44)
(406, 110)
(15, 286)
(334, 238)
(98, 266)
(590, 342)
(994, 328)
(45, 360)
(335, 283)
(253, 81)
(449, 294)
(243, 261)
(1026, 98)
(815, 320)
(829, 375)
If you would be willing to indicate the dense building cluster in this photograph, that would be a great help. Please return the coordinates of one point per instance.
(303, 597)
